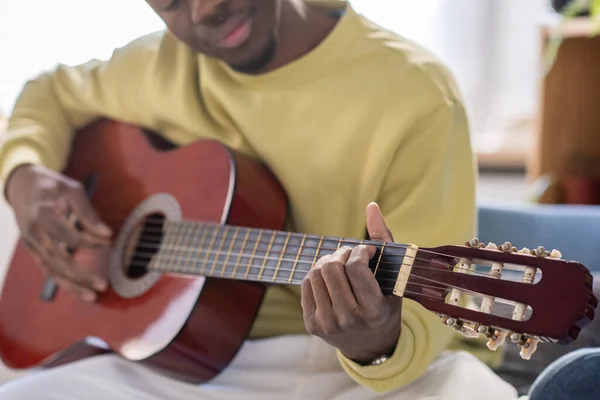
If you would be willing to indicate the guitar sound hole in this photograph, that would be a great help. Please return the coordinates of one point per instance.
(144, 244)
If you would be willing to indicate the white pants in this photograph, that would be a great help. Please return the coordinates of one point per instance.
(289, 367)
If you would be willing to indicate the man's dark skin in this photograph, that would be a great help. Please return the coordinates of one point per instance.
(341, 299)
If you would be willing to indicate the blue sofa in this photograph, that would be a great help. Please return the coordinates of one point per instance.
(575, 231)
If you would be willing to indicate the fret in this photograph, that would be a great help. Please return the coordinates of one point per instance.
(195, 240)
(173, 250)
(298, 252)
(281, 263)
(266, 256)
(281, 256)
(308, 255)
(177, 254)
(379, 259)
(181, 252)
(251, 258)
(259, 255)
(217, 255)
(240, 254)
(225, 266)
(317, 251)
(272, 256)
(385, 265)
(207, 251)
(196, 244)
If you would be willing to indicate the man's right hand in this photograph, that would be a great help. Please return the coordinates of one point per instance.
(43, 201)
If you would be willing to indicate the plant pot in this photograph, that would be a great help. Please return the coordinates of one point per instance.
(580, 190)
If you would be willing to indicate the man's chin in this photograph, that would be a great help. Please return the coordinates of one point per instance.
(258, 61)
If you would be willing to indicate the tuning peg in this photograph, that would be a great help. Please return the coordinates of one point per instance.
(460, 327)
(473, 243)
(555, 254)
(540, 251)
(468, 332)
(525, 250)
(492, 246)
(448, 320)
(507, 247)
(529, 348)
(528, 344)
(497, 340)
(517, 338)
(485, 331)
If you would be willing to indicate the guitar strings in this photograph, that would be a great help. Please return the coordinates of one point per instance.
(224, 228)
(180, 247)
(221, 231)
(325, 239)
(298, 281)
(222, 272)
(441, 297)
(218, 253)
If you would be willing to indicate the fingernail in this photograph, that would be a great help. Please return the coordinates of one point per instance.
(100, 286)
(104, 230)
(89, 297)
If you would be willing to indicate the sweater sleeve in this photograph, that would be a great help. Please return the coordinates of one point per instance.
(428, 198)
(53, 105)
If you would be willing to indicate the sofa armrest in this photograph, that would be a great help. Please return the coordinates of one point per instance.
(572, 229)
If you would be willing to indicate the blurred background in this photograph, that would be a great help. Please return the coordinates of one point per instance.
(534, 135)
(493, 47)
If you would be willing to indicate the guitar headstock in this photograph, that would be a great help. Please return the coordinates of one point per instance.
(526, 295)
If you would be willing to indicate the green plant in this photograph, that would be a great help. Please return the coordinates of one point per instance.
(571, 10)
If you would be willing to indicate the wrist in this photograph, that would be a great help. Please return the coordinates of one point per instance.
(378, 349)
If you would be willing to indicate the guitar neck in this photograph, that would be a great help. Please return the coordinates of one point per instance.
(250, 254)
(437, 278)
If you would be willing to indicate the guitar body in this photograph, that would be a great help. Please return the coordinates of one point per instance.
(188, 327)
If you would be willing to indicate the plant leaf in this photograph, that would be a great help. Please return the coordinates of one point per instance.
(556, 37)
(594, 16)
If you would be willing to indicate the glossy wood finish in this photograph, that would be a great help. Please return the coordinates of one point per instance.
(215, 315)
(197, 324)
(562, 301)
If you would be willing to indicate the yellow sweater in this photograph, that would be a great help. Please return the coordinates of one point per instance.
(366, 116)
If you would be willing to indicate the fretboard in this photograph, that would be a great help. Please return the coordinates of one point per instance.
(261, 255)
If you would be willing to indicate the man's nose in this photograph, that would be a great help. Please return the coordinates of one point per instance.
(202, 10)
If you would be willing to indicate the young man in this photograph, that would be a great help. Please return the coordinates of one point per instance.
(344, 113)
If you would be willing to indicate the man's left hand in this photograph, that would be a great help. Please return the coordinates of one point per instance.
(343, 303)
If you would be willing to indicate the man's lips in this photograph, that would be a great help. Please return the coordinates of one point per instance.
(236, 36)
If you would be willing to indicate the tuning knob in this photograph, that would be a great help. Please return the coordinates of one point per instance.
(468, 332)
(473, 242)
(528, 349)
(540, 251)
(460, 327)
(556, 254)
(492, 246)
(507, 247)
(497, 340)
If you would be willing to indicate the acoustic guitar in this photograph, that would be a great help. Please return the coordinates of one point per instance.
(200, 235)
